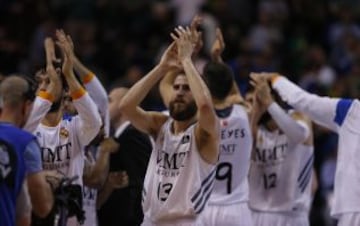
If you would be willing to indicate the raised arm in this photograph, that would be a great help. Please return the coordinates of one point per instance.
(148, 122)
(297, 131)
(328, 112)
(208, 124)
(46, 95)
(166, 83)
(92, 84)
(89, 117)
(217, 50)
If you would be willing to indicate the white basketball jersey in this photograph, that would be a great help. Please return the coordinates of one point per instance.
(89, 206)
(62, 146)
(280, 174)
(178, 181)
(231, 179)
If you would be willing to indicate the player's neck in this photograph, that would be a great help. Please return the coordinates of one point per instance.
(181, 126)
(9, 117)
(221, 104)
(52, 119)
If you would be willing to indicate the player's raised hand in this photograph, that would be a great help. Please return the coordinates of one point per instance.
(54, 85)
(218, 46)
(196, 36)
(183, 40)
(49, 47)
(68, 53)
(262, 89)
(170, 59)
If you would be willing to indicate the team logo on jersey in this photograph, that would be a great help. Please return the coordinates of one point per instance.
(224, 123)
(64, 133)
(185, 139)
(5, 167)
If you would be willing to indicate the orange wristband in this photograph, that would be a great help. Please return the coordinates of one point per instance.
(78, 93)
(46, 95)
(87, 78)
(274, 78)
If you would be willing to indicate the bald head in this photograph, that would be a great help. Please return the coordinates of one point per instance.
(117, 94)
(13, 90)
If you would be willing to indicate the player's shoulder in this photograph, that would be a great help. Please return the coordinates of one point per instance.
(14, 131)
(239, 111)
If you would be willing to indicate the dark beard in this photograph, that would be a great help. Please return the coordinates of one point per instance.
(55, 106)
(185, 114)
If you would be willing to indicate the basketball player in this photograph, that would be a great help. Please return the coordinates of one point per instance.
(20, 160)
(51, 89)
(281, 167)
(339, 115)
(228, 201)
(98, 152)
(181, 169)
(62, 141)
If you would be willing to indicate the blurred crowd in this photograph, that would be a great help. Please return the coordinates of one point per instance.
(314, 43)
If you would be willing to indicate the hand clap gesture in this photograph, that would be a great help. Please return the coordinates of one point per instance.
(183, 40)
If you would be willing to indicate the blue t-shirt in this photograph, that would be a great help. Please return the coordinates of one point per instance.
(14, 143)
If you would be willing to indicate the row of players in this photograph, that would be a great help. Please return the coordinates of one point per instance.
(204, 160)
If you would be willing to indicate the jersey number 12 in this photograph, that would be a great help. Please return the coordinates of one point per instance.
(270, 180)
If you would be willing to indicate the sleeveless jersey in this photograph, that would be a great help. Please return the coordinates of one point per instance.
(13, 142)
(280, 174)
(231, 180)
(178, 182)
(89, 206)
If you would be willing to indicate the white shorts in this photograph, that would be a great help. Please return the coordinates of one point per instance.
(181, 222)
(348, 219)
(228, 215)
(278, 219)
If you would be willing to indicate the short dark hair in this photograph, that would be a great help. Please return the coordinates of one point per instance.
(219, 78)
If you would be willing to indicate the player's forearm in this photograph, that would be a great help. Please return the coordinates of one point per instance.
(99, 95)
(72, 82)
(90, 120)
(104, 195)
(81, 69)
(197, 86)
(320, 109)
(41, 106)
(296, 132)
(92, 84)
(99, 170)
(138, 91)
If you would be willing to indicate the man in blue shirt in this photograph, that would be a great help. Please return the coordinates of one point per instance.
(20, 160)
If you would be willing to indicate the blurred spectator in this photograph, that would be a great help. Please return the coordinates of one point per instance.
(318, 71)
